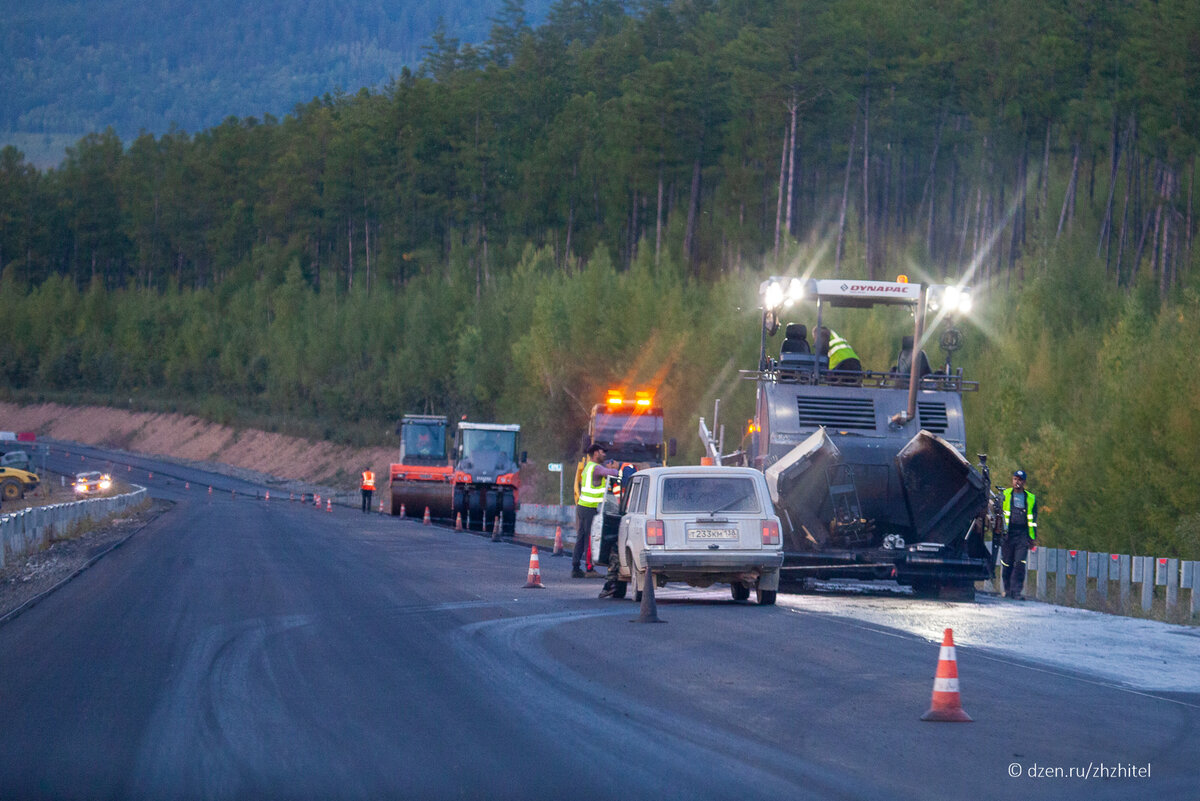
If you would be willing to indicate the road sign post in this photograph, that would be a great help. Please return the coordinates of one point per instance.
(556, 467)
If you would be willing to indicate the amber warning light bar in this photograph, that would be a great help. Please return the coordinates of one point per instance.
(617, 398)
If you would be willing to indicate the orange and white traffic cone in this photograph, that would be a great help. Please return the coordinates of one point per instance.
(187, 485)
(381, 506)
(329, 504)
(946, 705)
(402, 510)
(558, 546)
(210, 489)
(268, 496)
(458, 521)
(534, 582)
(427, 519)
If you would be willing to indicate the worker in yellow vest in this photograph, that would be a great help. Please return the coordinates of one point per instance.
(368, 488)
(592, 486)
(1020, 532)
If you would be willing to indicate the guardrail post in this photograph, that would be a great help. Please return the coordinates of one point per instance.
(1043, 565)
(1123, 573)
(1194, 577)
(1102, 571)
(1066, 569)
(1172, 586)
(1081, 577)
(1147, 582)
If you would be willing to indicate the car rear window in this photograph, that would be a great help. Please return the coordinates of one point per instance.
(709, 494)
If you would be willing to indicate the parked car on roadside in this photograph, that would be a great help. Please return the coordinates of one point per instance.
(93, 482)
(15, 482)
(700, 525)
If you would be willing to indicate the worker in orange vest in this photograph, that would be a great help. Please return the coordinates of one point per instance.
(368, 488)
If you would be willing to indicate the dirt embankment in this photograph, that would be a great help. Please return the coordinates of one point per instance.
(188, 437)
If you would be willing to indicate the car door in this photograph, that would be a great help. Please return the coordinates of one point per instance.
(633, 520)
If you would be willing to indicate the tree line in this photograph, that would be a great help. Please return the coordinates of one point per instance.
(515, 227)
(153, 66)
(937, 131)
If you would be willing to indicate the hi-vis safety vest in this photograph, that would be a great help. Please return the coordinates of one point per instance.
(590, 495)
(839, 350)
(368, 481)
(1030, 500)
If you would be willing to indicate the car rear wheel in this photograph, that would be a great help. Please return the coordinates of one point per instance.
(766, 597)
(740, 590)
(12, 490)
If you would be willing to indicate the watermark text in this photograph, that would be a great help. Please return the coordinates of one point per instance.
(1092, 770)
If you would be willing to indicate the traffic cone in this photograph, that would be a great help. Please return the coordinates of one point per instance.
(317, 500)
(329, 504)
(534, 582)
(381, 506)
(268, 497)
(427, 519)
(402, 510)
(187, 485)
(150, 475)
(558, 546)
(458, 521)
(210, 489)
(946, 705)
(648, 612)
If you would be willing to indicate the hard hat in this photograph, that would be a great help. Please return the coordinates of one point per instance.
(1019, 474)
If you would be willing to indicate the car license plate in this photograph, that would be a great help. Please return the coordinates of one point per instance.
(713, 533)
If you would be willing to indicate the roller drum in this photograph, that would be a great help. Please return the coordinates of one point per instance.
(416, 495)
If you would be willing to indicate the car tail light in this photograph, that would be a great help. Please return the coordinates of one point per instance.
(654, 532)
(770, 532)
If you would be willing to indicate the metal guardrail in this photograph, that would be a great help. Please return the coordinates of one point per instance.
(1093, 575)
(1101, 571)
(31, 530)
(539, 521)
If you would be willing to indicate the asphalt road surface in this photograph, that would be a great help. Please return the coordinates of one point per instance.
(239, 648)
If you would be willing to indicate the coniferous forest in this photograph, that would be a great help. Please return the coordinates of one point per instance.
(513, 228)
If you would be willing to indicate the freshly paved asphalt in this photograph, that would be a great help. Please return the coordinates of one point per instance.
(239, 648)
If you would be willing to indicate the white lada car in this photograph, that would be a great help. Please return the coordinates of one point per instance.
(702, 526)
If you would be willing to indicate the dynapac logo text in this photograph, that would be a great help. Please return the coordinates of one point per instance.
(873, 288)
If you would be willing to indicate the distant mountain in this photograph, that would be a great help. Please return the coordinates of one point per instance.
(72, 67)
